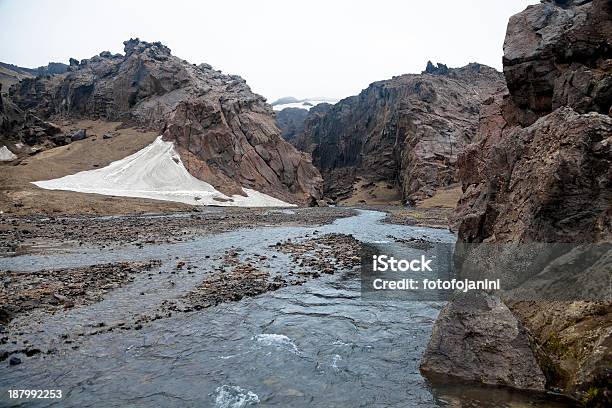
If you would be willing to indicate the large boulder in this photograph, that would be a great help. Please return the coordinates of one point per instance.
(477, 338)
(79, 135)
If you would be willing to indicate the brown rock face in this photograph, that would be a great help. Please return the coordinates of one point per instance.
(549, 182)
(406, 131)
(541, 171)
(225, 134)
(558, 53)
(464, 346)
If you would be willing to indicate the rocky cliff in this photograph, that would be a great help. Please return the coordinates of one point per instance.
(558, 54)
(291, 122)
(225, 134)
(540, 171)
(406, 131)
(22, 127)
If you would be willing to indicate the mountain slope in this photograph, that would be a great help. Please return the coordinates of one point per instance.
(11, 74)
(224, 133)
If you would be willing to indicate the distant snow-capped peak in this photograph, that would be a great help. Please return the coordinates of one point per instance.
(307, 103)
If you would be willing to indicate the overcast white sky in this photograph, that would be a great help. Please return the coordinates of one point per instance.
(303, 48)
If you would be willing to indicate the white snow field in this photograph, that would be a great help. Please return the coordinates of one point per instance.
(6, 154)
(155, 172)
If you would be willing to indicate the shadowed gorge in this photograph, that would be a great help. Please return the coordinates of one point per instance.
(406, 131)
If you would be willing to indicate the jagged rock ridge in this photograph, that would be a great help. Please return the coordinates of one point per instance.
(225, 134)
(11, 74)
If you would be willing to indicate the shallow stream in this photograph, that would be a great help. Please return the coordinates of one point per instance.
(315, 345)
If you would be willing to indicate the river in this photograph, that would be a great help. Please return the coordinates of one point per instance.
(315, 345)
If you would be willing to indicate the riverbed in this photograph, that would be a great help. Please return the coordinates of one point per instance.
(316, 344)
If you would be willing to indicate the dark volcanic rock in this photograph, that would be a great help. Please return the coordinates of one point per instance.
(407, 130)
(464, 345)
(225, 134)
(17, 126)
(440, 69)
(79, 135)
(13, 361)
(541, 172)
(53, 68)
(10, 115)
(291, 122)
(11, 74)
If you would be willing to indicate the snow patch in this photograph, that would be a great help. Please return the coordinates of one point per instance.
(6, 154)
(156, 172)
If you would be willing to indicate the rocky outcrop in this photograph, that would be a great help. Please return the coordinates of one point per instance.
(548, 182)
(24, 128)
(10, 115)
(563, 153)
(540, 171)
(11, 74)
(558, 53)
(225, 134)
(406, 131)
(291, 122)
(463, 345)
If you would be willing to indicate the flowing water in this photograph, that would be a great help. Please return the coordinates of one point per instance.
(319, 344)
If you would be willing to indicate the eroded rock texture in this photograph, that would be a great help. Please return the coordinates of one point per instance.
(558, 53)
(541, 171)
(18, 126)
(406, 131)
(548, 182)
(225, 134)
(477, 338)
